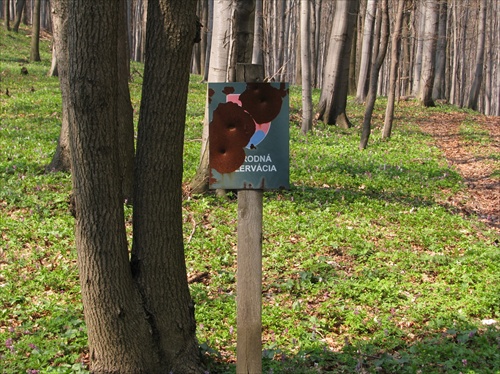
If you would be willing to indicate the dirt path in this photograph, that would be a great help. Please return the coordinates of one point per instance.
(476, 157)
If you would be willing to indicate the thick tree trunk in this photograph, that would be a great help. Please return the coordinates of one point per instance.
(118, 331)
(333, 101)
(35, 33)
(478, 75)
(139, 316)
(395, 53)
(158, 253)
(379, 51)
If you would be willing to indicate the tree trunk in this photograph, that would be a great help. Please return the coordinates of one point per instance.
(395, 53)
(139, 316)
(438, 91)
(257, 58)
(208, 51)
(366, 49)
(35, 34)
(478, 75)
(217, 72)
(6, 14)
(333, 101)
(61, 159)
(125, 110)
(20, 4)
(419, 14)
(429, 52)
(305, 52)
(379, 51)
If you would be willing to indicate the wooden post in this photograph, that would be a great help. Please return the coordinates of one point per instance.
(249, 262)
(249, 283)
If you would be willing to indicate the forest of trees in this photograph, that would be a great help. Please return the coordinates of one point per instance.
(464, 38)
(427, 49)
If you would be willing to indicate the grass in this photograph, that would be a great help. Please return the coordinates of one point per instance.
(366, 267)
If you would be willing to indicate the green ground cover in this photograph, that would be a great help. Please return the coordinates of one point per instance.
(366, 268)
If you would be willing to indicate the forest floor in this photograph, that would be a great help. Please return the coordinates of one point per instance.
(473, 152)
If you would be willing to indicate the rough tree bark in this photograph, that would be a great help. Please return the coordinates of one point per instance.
(138, 313)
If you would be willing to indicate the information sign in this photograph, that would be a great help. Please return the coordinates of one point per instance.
(249, 135)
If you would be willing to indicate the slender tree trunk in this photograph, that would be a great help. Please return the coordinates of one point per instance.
(418, 45)
(6, 14)
(379, 51)
(395, 53)
(139, 316)
(20, 4)
(125, 110)
(61, 159)
(478, 75)
(305, 50)
(429, 52)
(366, 49)
(35, 34)
(438, 91)
(208, 52)
(257, 58)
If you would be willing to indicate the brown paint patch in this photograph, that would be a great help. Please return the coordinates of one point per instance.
(263, 101)
(228, 90)
(230, 131)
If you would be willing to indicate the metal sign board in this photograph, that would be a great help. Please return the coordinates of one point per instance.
(249, 135)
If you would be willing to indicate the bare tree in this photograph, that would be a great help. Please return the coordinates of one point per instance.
(438, 91)
(429, 52)
(305, 52)
(333, 101)
(6, 14)
(379, 51)
(395, 53)
(478, 75)
(366, 49)
(20, 4)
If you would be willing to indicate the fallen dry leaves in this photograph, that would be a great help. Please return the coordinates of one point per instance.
(472, 161)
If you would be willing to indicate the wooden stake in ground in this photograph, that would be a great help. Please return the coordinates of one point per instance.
(249, 282)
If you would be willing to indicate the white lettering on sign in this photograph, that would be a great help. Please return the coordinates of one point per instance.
(254, 163)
